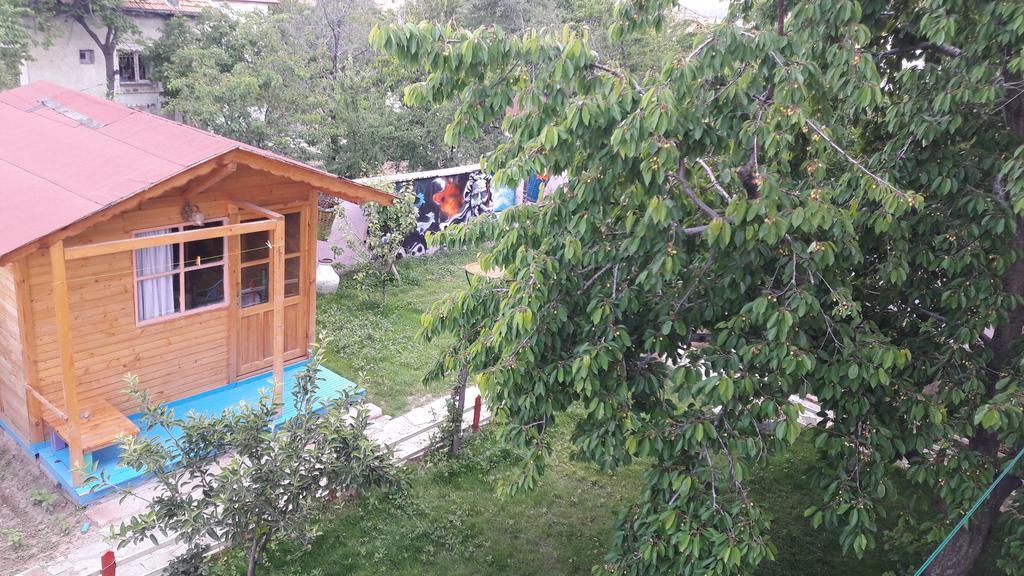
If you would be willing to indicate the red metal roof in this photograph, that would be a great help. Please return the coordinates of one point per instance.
(65, 155)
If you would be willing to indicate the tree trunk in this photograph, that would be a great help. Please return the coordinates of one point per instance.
(108, 47)
(110, 67)
(959, 556)
(253, 557)
(259, 542)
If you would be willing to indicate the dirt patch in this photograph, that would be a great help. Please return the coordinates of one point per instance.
(37, 520)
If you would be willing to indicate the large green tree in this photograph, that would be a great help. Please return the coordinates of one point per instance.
(15, 41)
(242, 76)
(303, 80)
(828, 193)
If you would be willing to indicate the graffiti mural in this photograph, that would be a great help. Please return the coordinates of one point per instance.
(449, 197)
(443, 201)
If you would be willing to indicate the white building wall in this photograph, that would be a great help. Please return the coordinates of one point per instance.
(59, 63)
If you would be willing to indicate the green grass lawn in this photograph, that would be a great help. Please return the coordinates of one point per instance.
(375, 344)
(451, 522)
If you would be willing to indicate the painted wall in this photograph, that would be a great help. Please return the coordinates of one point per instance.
(443, 198)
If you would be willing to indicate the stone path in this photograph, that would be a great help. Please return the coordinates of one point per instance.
(409, 434)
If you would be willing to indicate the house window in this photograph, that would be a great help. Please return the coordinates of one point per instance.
(175, 279)
(86, 57)
(132, 66)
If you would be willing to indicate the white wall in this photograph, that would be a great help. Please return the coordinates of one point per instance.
(58, 62)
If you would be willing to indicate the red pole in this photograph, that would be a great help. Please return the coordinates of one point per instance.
(108, 565)
(477, 404)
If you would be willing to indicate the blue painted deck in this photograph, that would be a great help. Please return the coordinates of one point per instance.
(210, 402)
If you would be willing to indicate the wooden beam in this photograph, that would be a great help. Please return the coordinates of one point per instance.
(42, 399)
(212, 178)
(115, 246)
(255, 208)
(26, 328)
(62, 310)
(328, 183)
(277, 297)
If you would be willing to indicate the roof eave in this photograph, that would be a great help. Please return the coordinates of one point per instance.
(322, 181)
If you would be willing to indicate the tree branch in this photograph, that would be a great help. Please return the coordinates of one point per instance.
(714, 181)
(617, 74)
(700, 48)
(851, 159)
(680, 177)
(88, 30)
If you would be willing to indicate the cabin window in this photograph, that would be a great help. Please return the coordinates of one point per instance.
(292, 253)
(255, 259)
(86, 56)
(179, 278)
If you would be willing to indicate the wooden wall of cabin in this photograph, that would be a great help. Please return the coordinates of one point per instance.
(13, 401)
(173, 358)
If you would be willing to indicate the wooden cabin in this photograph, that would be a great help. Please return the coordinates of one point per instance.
(131, 243)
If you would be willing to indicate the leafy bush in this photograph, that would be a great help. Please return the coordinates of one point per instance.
(246, 479)
(387, 227)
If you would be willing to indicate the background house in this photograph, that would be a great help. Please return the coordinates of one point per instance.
(73, 59)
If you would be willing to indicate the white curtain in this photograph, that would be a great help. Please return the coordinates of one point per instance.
(156, 295)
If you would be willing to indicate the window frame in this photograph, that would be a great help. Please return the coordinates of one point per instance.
(180, 273)
(268, 261)
(136, 57)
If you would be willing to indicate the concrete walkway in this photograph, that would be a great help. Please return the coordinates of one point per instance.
(409, 435)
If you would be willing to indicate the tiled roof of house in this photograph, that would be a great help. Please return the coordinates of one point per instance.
(167, 6)
(186, 7)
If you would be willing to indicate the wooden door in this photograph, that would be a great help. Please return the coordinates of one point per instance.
(253, 287)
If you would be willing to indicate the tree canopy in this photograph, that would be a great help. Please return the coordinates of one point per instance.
(304, 81)
(809, 198)
(15, 41)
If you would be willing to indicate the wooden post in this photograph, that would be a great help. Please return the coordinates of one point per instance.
(62, 309)
(234, 295)
(27, 327)
(277, 296)
(310, 262)
(477, 406)
(108, 564)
